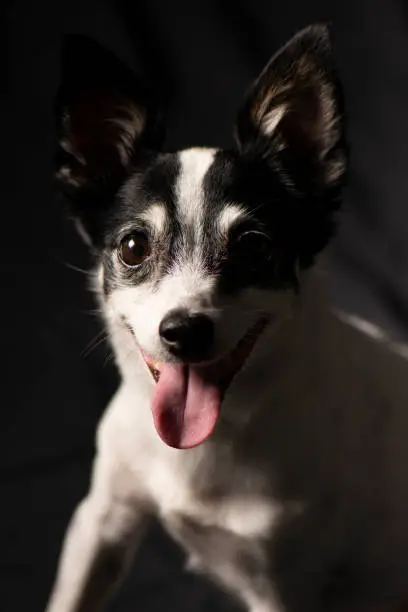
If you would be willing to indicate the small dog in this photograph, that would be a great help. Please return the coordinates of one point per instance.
(268, 435)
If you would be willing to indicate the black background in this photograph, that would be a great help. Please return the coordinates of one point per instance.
(56, 378)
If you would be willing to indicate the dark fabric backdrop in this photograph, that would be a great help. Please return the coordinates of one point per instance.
(56, 378)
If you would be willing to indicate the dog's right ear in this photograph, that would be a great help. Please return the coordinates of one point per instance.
(106, 117)
(292, 115)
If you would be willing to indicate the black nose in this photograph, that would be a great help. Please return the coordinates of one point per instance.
(188, 336)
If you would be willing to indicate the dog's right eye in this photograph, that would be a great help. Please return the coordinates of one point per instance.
(134, 249)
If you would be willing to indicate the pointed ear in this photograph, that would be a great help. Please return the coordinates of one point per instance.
(105, 116)
(292, 114)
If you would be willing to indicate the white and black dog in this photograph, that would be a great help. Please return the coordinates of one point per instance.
(269, 436)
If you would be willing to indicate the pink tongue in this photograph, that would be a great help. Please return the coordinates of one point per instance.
(185, 407)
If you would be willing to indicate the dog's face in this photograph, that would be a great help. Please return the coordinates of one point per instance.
(189, 266)
(199, 250)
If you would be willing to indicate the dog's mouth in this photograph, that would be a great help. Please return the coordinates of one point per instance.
(187, 399)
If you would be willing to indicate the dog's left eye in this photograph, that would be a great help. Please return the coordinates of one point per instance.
(252, 244)
(134, 249)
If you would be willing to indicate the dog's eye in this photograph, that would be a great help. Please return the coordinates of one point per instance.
(134, 249)
(252, 244)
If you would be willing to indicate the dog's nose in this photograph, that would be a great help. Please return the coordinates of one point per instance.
(188, 336)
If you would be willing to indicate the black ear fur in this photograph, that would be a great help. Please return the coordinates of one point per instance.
(105, 115)
(292, 116)
(107, 122)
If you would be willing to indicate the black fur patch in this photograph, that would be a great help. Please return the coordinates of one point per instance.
(260, 191)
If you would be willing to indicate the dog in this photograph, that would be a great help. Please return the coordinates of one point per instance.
(266, 433)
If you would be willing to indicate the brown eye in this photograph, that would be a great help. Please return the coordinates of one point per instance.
(134, 249)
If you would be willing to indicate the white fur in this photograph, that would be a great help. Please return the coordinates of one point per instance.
(186, 287)
(194, 165)
(155, 215)
(313, 364)
(230, 215)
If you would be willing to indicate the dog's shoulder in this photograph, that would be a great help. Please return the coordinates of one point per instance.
(372, 354)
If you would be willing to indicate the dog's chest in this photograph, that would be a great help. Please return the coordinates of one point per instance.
(209, 484)
(229, 497)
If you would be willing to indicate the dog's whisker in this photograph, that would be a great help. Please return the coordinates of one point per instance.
(77, 269)
(100, 337)
(96, 312)
(109, 357)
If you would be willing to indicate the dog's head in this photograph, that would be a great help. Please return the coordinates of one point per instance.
(199, 250)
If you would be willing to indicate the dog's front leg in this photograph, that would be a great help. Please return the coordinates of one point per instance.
(99, 545)
(238, 564)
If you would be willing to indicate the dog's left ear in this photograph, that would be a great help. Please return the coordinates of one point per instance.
(106, 116)
(292, 115)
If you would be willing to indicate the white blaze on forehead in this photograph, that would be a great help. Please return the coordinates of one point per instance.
(229, 215)
(155, 216)
(194, 164)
